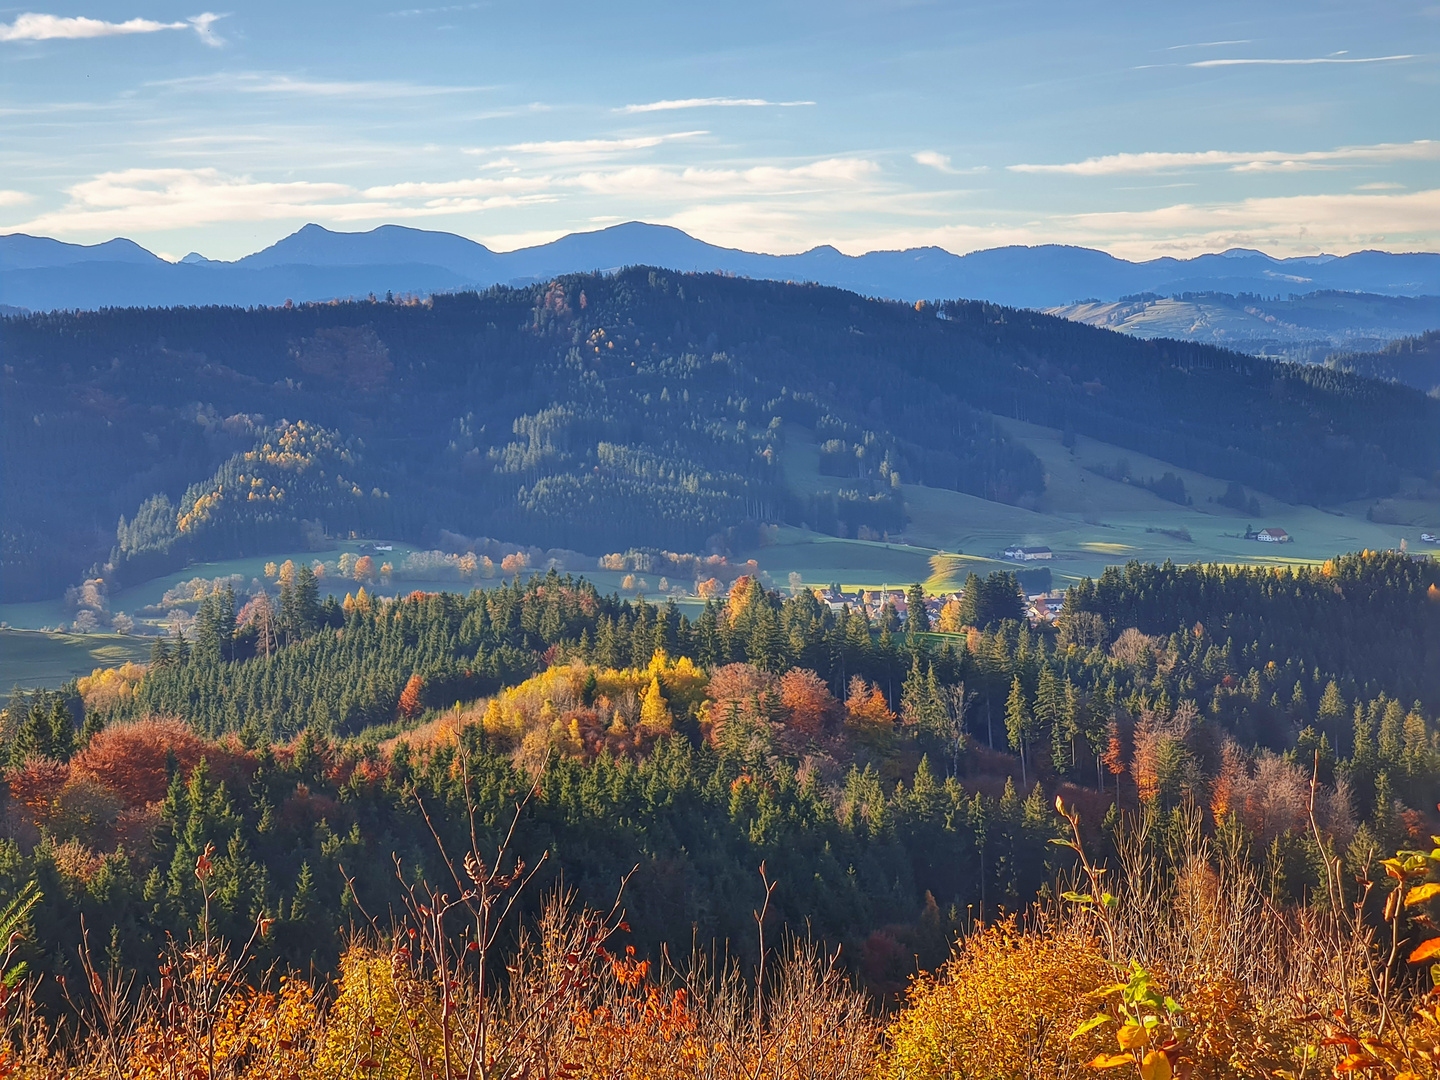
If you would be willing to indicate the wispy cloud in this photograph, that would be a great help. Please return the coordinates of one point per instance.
(32, 26)
(1292, 223)
(157, 200)
(443, 10)
(262, 82)
(1286, 62)
(936, 160)
(13, 198)
(584, 149)
(1238, 161)
(709, 102)
(1209, 44)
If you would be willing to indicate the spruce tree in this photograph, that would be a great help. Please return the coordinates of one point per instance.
(1018, 724)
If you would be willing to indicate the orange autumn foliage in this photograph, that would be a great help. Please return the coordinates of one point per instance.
(410, 704)
(131, 759)
(804, 695)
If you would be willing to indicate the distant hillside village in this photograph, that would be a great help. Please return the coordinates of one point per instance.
(883, 605)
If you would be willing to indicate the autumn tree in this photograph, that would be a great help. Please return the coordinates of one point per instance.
(867, 713)
(655, 716)
(807, 701)
(410, 704)
(950, 619)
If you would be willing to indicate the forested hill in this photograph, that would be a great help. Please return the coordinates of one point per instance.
(598, 411)
(1414, 361)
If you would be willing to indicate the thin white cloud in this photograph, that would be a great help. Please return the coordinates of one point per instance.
(139, 201)
(1238, 161)
(13, 198)
(936, 160)
(653, 182)
(579, 149)
(477, 187)
(259, 82)
(32, 26)
(1209, 44)
(709, 102)
(202, 24)
(1294, 224)
(1245, 61)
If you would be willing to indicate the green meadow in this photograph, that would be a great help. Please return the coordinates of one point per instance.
(31, 658)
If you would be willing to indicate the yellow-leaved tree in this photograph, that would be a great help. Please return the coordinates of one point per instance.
(654, 711)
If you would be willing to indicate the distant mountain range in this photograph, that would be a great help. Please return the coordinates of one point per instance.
(39, 273)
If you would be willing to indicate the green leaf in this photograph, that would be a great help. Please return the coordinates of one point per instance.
(1091, 1024)
(1077, 897)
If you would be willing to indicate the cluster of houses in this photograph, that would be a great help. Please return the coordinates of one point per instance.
(1040, 607)
(873, 601)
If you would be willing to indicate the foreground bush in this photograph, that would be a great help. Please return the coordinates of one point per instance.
(1004, 1006)
(1169, 963)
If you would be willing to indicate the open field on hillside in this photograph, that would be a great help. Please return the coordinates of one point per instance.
(1088, 519)
(29, 658)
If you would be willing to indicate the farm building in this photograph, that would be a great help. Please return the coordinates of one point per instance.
(1273, 536)
(1027, 554)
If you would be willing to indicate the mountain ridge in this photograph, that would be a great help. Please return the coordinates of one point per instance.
(316, 263)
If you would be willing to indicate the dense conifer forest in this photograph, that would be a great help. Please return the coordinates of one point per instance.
(601, 411)
(896, 779)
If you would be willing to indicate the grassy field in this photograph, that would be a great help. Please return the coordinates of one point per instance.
(30, 659)
(1088, 520)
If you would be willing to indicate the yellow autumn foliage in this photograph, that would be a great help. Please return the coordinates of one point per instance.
(380, 1026)
(105, 688)
(1005, 1005)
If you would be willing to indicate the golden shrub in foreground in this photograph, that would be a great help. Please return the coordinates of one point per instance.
(1005, 1005)
(378, 1025)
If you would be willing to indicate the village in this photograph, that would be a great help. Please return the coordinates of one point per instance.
(887, 603)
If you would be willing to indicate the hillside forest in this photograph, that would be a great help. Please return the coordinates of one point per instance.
(1240, 747)
(642, 408)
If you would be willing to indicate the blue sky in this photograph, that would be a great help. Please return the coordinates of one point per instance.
(1144, 129)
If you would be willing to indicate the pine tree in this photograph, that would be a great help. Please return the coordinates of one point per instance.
(917, 619)
(62, 731)
(1332, 712)
(33, 736)
(1018, 723)
(307, 600)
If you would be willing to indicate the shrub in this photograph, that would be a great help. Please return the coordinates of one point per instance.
(1004, 1005)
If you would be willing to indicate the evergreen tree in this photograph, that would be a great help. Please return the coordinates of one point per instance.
(1018, 725)
(917, 619)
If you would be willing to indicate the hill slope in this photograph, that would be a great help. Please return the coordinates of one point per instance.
(1305, 327)
(599, 411)
(1414, 361)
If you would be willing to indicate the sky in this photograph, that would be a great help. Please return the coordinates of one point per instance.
(1144, 129)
